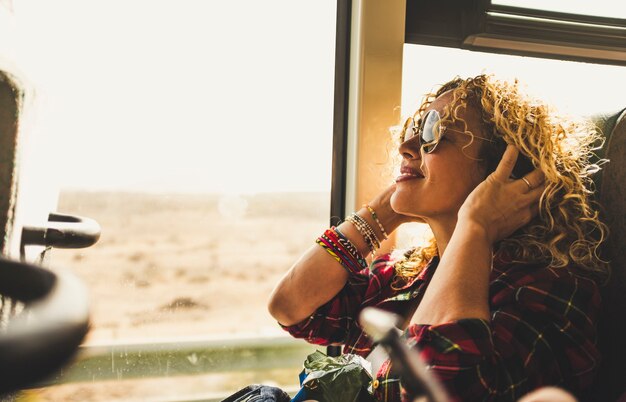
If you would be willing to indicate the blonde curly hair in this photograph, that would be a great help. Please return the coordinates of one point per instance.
(567, 231)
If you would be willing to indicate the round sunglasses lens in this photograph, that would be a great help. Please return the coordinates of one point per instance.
(409, 131)
(428, 136)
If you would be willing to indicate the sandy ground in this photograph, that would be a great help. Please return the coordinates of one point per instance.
(188, 265)
(169, 266)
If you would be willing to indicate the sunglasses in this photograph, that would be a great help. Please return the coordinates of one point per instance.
(429, 131)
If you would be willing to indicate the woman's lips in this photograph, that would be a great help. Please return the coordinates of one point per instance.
(406, 177)
(406, 173)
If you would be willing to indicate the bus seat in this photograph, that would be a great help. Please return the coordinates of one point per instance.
(611, 195)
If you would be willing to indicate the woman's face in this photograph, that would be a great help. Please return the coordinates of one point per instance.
(436, 187)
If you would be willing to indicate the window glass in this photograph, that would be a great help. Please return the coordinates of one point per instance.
(576, 88)
(601, 8)
(573, 87)
(198, 134)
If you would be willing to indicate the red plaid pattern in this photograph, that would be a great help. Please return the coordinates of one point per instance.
(541, 332)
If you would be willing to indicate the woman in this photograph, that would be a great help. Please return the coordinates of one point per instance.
(504, 298)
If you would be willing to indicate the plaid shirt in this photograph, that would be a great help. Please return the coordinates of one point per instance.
(541, 332)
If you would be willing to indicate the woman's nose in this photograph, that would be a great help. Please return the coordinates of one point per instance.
(410, 149)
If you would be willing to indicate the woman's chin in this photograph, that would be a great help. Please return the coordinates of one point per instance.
(402, 205)
(393, 202)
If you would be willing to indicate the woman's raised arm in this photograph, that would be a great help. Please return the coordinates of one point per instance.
(494, 210)
(317, 276)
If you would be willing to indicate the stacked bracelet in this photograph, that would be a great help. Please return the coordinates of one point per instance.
(375, 217)
(342, 250)
(366, 231)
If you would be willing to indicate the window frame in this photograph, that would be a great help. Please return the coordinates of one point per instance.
(447, 23)
(481, 25)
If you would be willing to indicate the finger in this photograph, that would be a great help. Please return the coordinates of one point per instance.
(528, 217)
(534, 209)
(532, 197)
(531, 181)
(536, 178)
(528, 213)
(527, 187)
(538, 189)
(507, 163)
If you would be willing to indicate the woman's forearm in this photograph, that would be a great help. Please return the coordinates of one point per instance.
(492, 211)
(314, 279)
(460, 287)
(317, 277)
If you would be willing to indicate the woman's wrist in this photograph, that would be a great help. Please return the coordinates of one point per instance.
(378, 212)
(351, 232)
(380, 220)
(363, 228)
(475, 229)
(387, 217)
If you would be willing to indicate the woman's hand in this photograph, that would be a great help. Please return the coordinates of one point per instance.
(494, 209)
(501, 205)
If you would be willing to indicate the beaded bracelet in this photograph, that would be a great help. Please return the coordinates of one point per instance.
(375, 217)
(368, 228)
(364, 227)
(366, 231)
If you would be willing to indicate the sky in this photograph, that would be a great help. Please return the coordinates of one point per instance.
(571, 87)
(192, 96)
(217, 96)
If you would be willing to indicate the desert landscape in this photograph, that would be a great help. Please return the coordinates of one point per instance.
(188, 265)
(179, 266)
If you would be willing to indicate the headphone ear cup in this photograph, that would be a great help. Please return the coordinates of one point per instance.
(522, 167)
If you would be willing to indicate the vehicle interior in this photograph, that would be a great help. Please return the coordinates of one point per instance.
(46, 351)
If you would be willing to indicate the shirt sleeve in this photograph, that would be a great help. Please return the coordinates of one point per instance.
(541, 332)
(335, 320)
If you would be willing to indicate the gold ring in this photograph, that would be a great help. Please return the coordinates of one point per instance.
(530, 187)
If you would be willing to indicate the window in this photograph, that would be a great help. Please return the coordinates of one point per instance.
(198, 134)
(576, 88)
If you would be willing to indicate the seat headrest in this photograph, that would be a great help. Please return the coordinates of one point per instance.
(611, 195)
(605, 124)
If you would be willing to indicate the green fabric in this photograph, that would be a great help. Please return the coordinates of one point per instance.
(336, 379)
